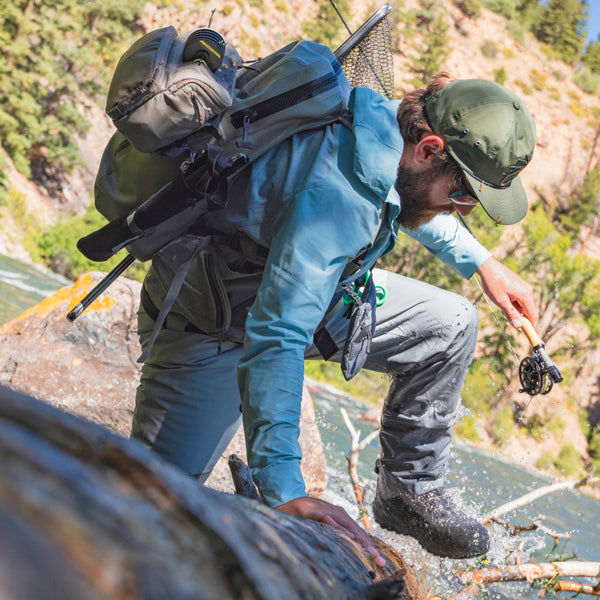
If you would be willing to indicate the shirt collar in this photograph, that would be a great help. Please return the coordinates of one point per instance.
(379, 144)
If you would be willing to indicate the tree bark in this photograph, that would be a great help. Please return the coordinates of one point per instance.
(87, 514)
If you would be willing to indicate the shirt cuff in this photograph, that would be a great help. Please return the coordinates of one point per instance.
(280, 483)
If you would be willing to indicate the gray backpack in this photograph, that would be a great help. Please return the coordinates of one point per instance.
(182, 134)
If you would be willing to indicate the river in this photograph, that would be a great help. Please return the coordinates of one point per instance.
(480, 480)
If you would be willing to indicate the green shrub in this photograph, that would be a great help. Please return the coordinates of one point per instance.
(509, 53)
(506, 8)
(578, 109)
(55, 246)
(517, 30)
(568, 461)
(594, 448)
(524, 87)
(500, 75)
(536, 427)
(466, 429)
(545, 461)
(538, 79)
(587, 81)
(489, 49)
(503, 425)
(557, 424)
(470, 8)
(476, 391)
(324, 27)
(367, 385)
(435, 48)
(559, 75)
(553, 94)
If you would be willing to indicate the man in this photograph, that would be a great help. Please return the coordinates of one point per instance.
(314, 213)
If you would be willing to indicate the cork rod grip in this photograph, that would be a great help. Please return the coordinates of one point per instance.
(530, 332)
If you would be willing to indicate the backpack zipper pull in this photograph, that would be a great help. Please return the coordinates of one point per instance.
(245, 142)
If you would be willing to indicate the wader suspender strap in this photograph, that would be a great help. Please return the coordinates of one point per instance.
(170, 298)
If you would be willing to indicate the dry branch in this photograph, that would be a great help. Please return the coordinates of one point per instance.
(531, 571)
(534, 495)
(356, 447)
(473, 580)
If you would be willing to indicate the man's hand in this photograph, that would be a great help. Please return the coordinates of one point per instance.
(324, 512)
(508, 291)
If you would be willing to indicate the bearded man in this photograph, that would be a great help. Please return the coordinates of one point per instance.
(289, 264)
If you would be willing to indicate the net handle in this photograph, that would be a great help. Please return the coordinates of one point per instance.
(362, 31)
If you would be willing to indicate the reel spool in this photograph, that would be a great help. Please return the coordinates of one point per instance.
(537, 373)
(534, 377)
(207, 46)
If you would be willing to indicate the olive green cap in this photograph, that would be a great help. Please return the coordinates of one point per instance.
(491, 135)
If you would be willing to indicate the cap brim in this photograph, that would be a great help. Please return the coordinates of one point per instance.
(505, 206)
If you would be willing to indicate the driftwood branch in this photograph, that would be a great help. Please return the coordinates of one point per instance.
(87, 514)
(534, 495)
(357, 445)
(530, 572)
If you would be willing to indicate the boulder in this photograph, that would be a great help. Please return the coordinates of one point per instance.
(89, 367)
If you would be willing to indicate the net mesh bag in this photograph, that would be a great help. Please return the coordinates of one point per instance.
(367, 57)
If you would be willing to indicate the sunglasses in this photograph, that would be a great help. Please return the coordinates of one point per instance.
(462, 197)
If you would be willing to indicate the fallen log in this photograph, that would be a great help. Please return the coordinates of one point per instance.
(85, 513)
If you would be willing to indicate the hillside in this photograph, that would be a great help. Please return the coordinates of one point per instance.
(567, 121)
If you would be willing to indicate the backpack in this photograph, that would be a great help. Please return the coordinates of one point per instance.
(184, 130)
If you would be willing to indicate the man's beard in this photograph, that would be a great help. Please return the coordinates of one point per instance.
(414, 190)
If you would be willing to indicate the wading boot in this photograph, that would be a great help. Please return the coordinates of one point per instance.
(433, 519)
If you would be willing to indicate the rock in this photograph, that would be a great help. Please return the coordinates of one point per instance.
(89, 367)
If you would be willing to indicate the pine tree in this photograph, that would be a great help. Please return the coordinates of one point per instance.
(562, 25)
(51, 50)
(592, 56)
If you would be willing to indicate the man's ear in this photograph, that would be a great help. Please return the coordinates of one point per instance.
(427, 148)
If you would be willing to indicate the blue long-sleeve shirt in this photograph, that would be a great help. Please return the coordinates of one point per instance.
(317, 201)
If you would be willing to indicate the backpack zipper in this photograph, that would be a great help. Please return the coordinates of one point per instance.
(218, 296)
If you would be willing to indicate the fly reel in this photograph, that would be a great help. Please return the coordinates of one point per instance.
(537, 373)
(534, 377)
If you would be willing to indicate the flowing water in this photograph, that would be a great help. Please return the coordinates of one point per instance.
(481, 481)
(23, 285)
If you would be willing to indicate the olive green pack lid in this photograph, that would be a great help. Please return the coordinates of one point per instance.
(491, 135)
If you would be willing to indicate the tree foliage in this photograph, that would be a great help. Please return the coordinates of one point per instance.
(592, 56)
(325, 26)
(562, 26)
(435, 49)
(50, 51)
